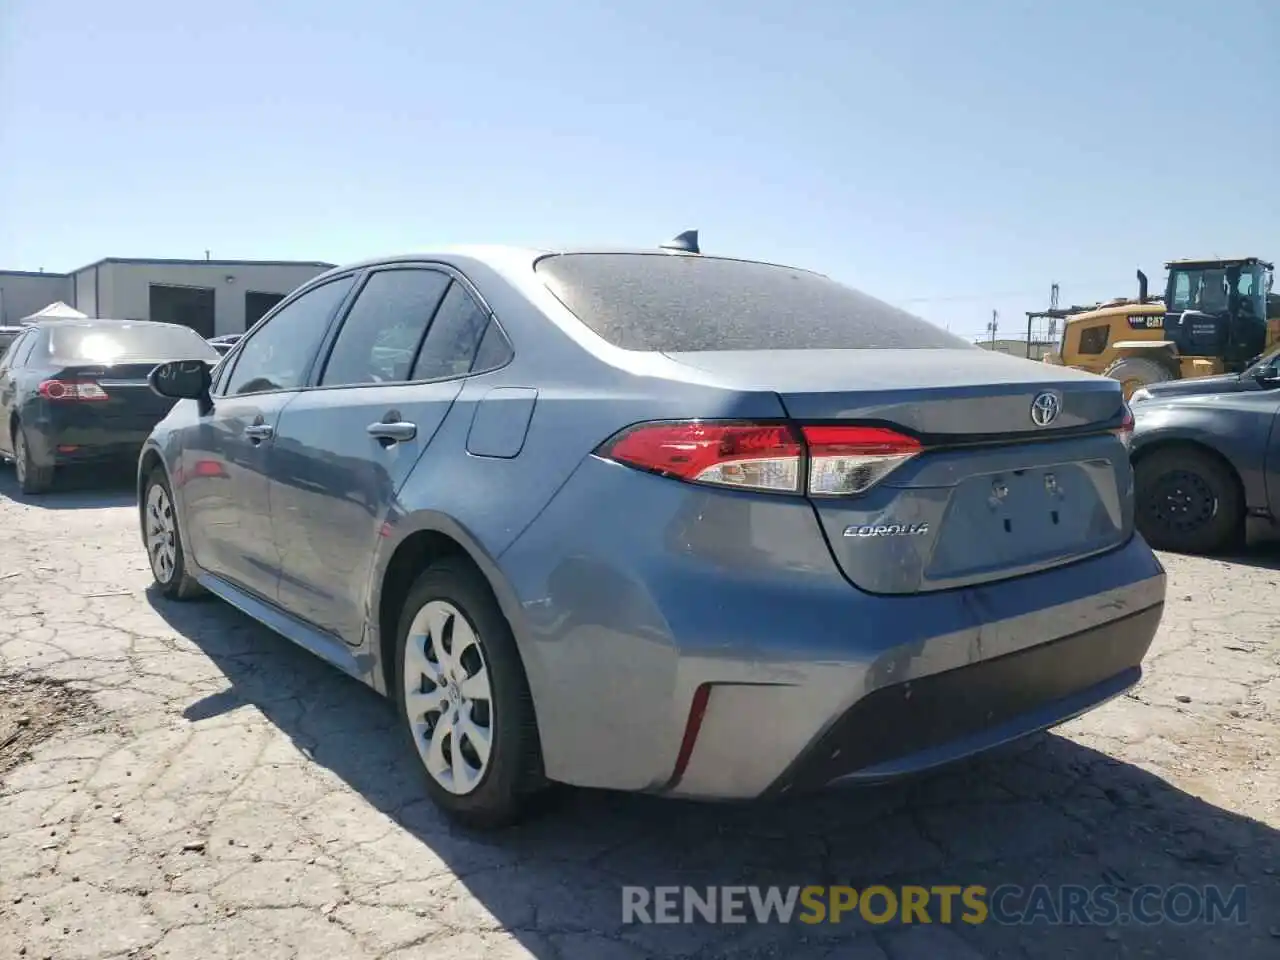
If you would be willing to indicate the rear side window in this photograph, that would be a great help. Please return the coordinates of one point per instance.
(380, 336)
(7, 353)
(122, 341)
(463, 339)
(25, 348)
(675, 303)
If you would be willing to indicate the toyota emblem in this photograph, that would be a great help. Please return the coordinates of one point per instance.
(1045, 409)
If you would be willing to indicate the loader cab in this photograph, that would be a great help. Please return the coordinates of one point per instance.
(1218, 308)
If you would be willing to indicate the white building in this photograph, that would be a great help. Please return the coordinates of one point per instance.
(213, 297)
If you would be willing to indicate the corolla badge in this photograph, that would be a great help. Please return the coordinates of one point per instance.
(887, 530)
(1045, 409)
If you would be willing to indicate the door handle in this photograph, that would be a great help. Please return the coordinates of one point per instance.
(258, 432)
(395, 431)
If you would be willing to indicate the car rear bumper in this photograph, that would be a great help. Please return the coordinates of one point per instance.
(908, 727)
(704, 644)
(51, 443)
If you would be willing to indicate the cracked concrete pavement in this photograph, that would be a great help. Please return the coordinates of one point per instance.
(221, 793)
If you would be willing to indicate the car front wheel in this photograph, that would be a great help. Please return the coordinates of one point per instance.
(464, 699)
(1188, 501)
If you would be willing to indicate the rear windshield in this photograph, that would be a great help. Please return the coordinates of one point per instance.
(675, 303)
(122, 342)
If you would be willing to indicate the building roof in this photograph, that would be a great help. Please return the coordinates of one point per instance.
(319, 264)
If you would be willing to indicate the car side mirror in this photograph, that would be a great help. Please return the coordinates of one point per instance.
(1267, 376)
(183, 380)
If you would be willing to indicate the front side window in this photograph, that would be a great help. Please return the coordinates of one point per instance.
(380, 336)
(279, 353)
(453, 345)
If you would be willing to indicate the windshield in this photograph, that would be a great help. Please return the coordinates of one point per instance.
(1209, 289)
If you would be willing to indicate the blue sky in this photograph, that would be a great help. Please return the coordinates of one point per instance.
(950, 157)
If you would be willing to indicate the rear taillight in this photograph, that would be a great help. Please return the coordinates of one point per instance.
(837, 460)
(72, 390)
(753, 456)
(846, 460)
(1125, 430)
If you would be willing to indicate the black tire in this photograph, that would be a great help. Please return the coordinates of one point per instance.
(513, 776)
(33, 479)
(172, 580)
(1135, 372)
(1188, 501)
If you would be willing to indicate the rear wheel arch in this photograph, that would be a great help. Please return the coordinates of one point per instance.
(1192, 446)
(423, 548)
(150, 461)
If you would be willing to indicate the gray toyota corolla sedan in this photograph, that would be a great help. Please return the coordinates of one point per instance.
(654, 520)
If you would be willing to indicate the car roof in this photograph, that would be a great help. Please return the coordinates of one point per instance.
(100, 322)
(505, 258)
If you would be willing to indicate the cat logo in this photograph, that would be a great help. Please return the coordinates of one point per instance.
(1146, 321)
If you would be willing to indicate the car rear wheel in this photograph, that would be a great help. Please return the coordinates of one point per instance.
(32, 478)
(163, 538)
(464, 699)
(1188, 501)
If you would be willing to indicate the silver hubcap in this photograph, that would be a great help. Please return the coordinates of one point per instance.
(20, 456)
(447, 697)
(162, 533)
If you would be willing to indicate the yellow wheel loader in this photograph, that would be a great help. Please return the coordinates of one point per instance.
(1215, 317)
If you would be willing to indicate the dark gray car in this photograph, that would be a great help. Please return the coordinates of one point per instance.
(657, 521)
(1206, 454)
(74, 392)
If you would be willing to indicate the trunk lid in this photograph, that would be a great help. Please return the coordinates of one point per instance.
(131, 403)
(995, 494)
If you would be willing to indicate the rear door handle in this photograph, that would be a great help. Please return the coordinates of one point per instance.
(396, 431)
(258, 432)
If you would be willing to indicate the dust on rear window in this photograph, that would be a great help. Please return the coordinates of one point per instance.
(673, 303)
(122, 342)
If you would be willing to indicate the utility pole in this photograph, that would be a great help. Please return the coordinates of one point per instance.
(993, 326)
(1053, 321)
